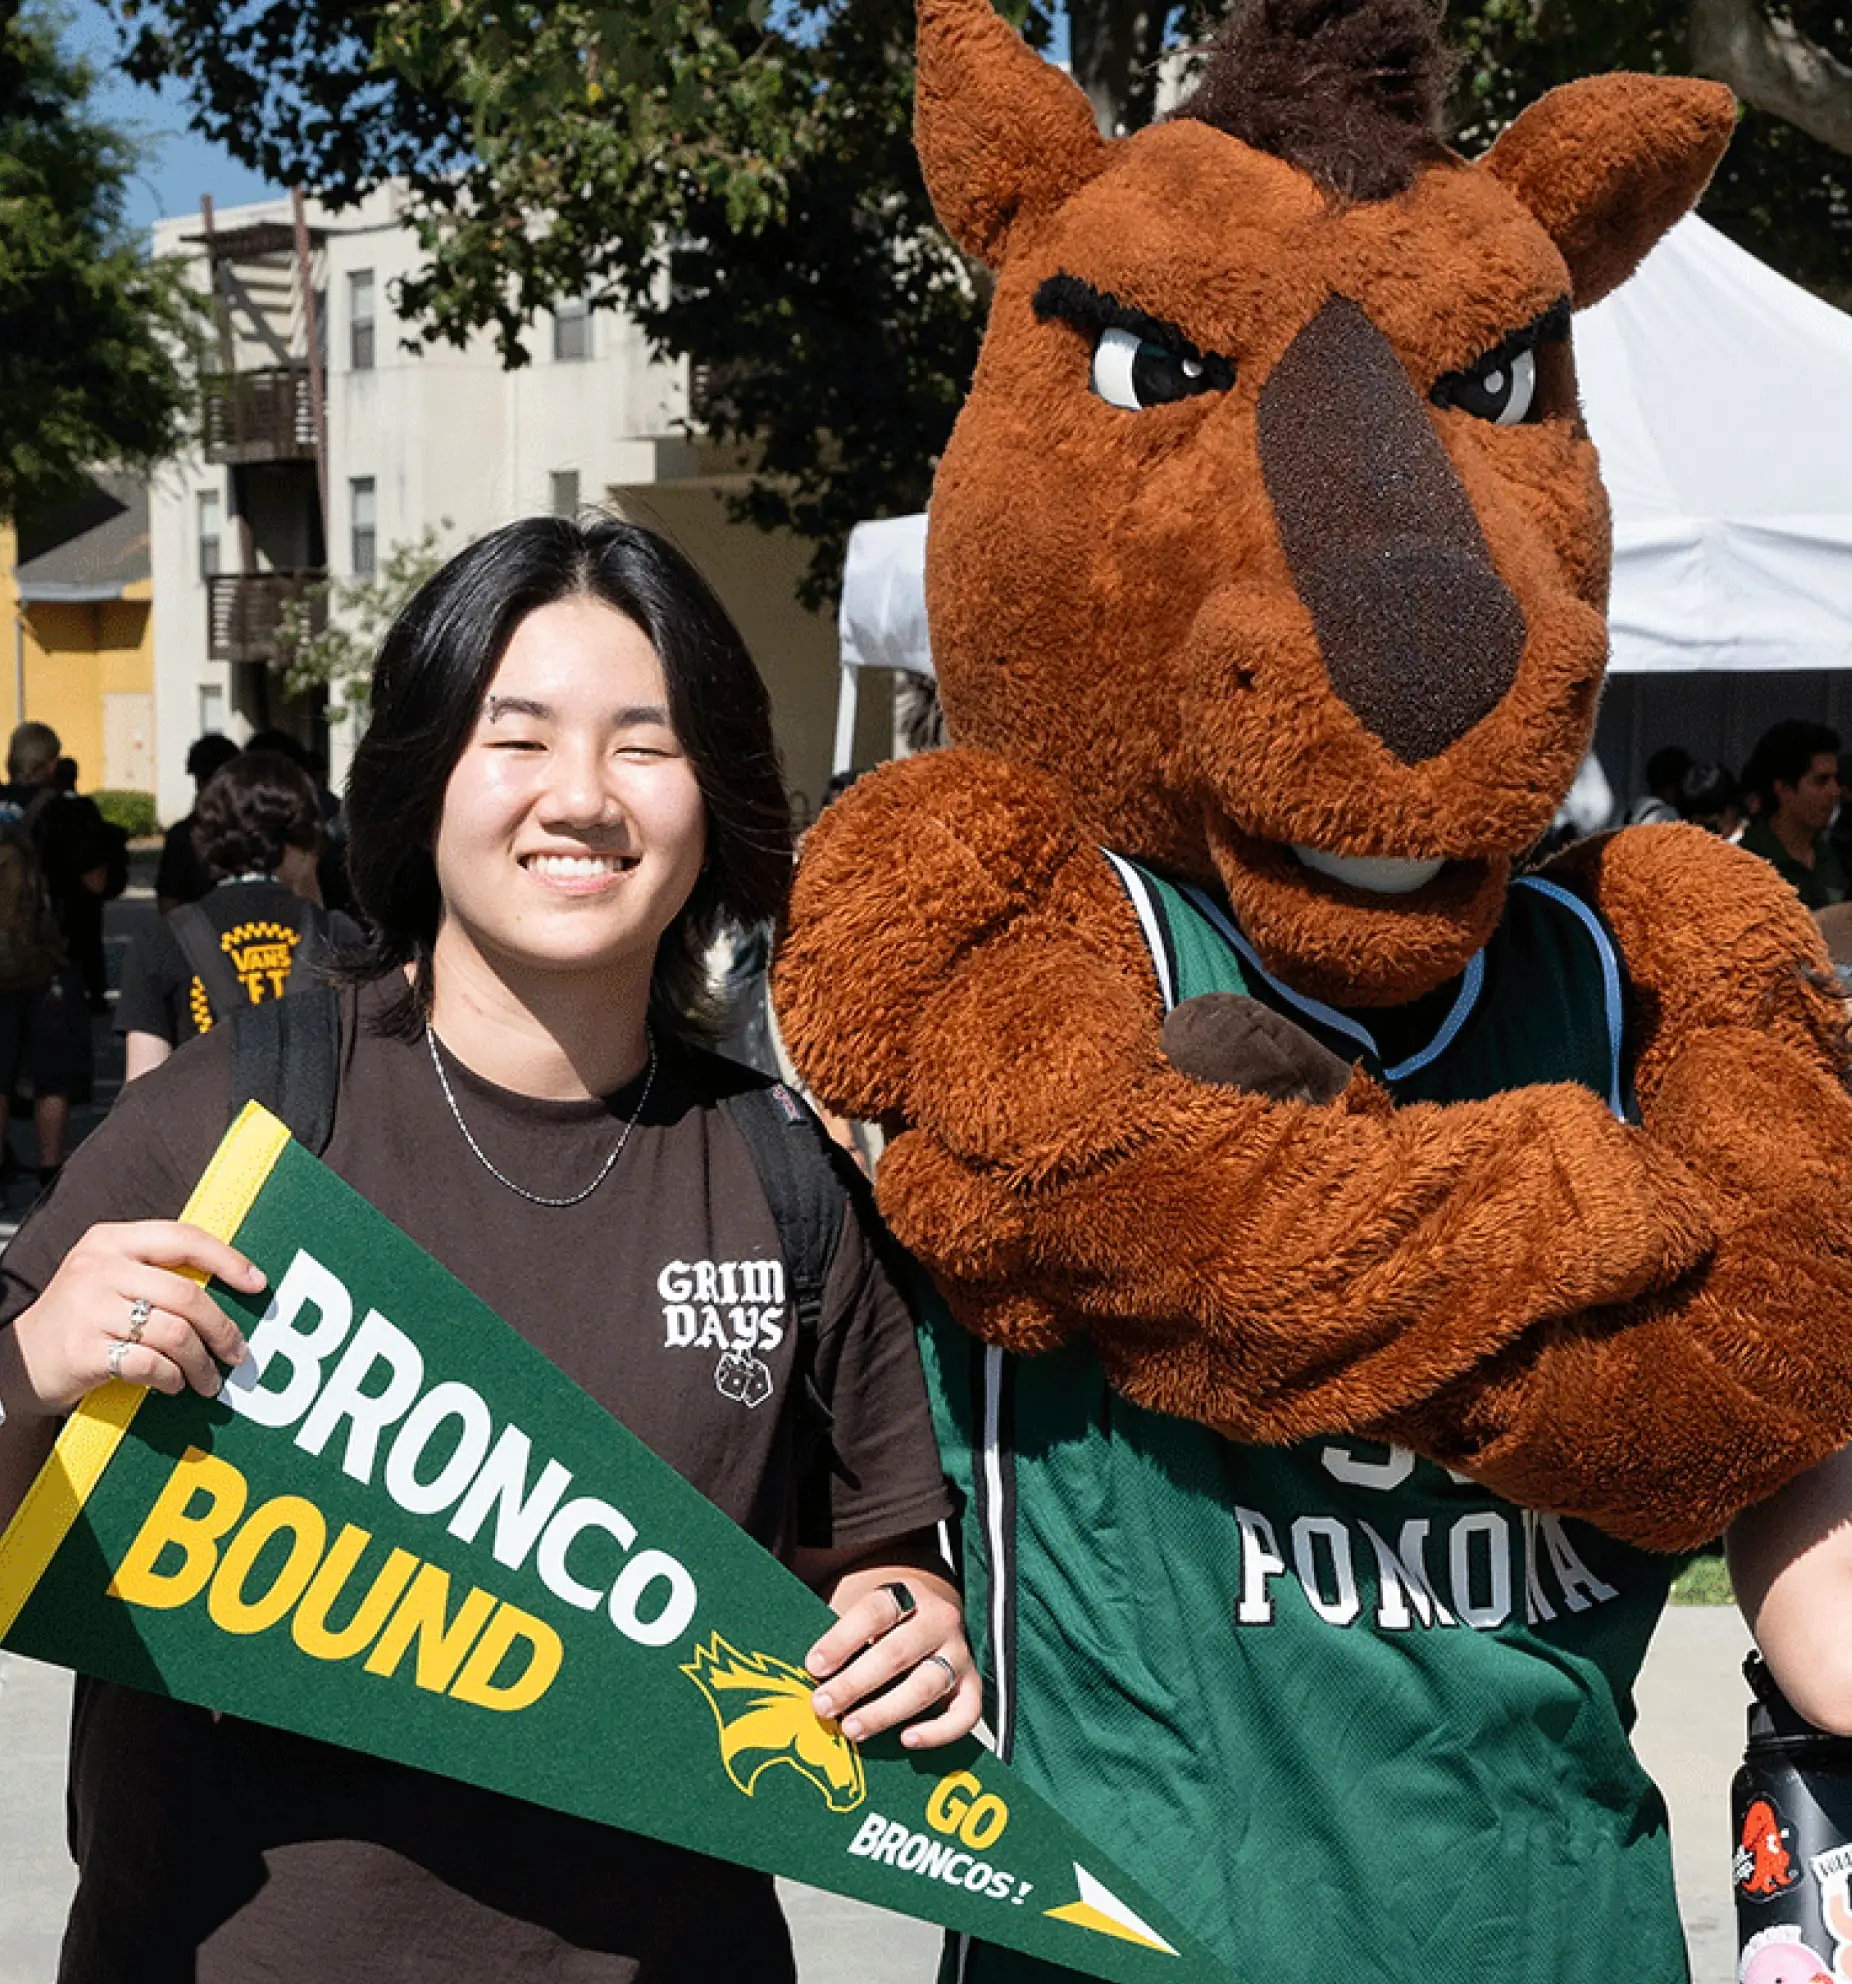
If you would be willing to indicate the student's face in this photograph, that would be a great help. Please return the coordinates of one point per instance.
(1810, 803)
(572, 829)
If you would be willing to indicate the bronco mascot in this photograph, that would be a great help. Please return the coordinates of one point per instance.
(1366, 1264)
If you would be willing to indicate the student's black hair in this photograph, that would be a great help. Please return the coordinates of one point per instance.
(1786, 751)
(433, 670)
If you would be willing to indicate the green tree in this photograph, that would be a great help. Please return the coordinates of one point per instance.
(329, 632)
(743, 181)
(1784, 190)
(745, 188)
(95, 343)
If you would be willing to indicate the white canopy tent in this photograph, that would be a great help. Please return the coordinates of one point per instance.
(1720, 396)
(882, 620)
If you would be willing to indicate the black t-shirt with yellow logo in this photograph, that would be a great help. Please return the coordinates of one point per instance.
(260, 925)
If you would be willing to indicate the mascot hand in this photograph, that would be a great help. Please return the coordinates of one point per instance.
(1236, 1042)
(950, 920)
(911, 868)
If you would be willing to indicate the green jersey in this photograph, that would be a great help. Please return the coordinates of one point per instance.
(1352, 1716)
(1818, 886)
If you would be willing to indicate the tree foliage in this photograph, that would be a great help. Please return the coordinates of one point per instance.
(1781, 194)
(742, 182)
(329, 633)
(95, 343)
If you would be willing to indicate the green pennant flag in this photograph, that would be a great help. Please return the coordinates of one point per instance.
(401, 1529)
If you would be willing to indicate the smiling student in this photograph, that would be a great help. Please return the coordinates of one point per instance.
(568, 784)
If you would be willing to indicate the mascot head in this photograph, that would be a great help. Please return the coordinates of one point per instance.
(1270, 528)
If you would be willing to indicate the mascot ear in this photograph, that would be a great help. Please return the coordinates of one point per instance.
(1000, 132)
(1608, 164)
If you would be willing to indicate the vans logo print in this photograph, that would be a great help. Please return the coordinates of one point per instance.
(261, 954)
(734, 1307)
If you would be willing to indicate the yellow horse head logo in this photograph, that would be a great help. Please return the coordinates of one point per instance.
(763, 1709)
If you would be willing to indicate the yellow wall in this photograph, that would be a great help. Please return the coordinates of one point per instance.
(9, 609)
(76, 657)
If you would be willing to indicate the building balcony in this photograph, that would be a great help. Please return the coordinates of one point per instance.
(259, 416)
(243, 609)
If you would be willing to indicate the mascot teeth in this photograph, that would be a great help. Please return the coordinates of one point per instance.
(1382, 875)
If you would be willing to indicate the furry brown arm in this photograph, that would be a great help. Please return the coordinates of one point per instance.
(1742, 1377)
(959, 955)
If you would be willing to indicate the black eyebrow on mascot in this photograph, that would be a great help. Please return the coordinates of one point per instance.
(1356, 1262)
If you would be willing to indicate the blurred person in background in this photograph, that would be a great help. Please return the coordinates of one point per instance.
(181, 876)
(1709, 797)
(1658, 804)
(83, 907)
(57, 852)
(258, 933)
(337, 891)
(1794, 772)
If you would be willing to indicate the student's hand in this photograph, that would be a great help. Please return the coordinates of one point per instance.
(62, 1346)
(902, 1625)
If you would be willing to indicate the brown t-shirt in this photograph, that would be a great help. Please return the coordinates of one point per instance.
(225, 1852)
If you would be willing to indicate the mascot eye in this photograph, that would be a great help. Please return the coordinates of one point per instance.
(1499, 388)
(1139, 361)
(1136, 372)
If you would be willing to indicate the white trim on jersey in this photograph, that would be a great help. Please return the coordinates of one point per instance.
(1148, 922)
(1001, 1543)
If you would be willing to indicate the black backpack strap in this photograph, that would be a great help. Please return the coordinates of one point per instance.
(801, 1187)
(36, 808)
(308, 964)
(286, 1054)
(809, 1201)
(199, 945)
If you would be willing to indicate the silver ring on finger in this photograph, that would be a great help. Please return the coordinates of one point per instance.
(119, 1348)
(951, 1672)
(139, 1312)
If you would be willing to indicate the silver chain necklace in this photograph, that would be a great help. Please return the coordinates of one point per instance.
(501, 1177)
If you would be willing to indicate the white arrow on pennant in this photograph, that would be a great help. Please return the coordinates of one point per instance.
(1100, 1910)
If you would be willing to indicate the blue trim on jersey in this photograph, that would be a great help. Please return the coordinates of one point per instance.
(1472, 983)
(1610, 976)
(1472, 980)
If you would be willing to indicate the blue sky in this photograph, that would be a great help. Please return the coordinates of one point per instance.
(177, 166)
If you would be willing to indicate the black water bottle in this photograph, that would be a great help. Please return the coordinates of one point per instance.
(1791, 1826)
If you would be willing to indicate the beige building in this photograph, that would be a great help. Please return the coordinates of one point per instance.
(414, 438)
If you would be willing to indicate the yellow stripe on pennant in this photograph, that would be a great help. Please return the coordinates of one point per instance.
(1100, 1910)
(91, 1435)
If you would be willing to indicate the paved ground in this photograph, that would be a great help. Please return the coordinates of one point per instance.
(1691, 1723)
(1690, 1735)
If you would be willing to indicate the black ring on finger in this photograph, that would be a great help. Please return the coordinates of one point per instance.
(905, 1603)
